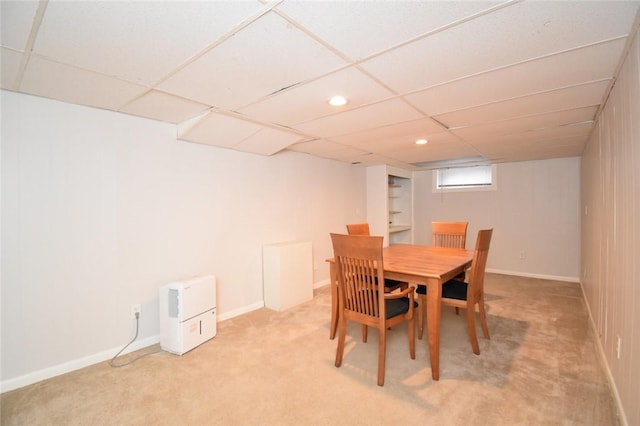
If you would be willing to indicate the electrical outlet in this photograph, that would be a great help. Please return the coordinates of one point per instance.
(523, 255)
(136, 309)
(618, 344)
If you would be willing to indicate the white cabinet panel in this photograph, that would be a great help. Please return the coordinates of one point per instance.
(287, 274)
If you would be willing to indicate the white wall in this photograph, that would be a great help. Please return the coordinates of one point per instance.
(611, 233)
(534, 211)
(100, 209)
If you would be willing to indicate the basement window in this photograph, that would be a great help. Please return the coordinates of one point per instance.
(470, 178)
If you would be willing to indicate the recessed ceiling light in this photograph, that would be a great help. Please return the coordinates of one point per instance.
(421, 141)
(338, 101)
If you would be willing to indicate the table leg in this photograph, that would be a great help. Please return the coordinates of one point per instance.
(434, 296)
(334, 300)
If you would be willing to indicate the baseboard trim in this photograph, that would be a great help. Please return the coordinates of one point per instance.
(240, 311)
(76, 364)
(622, 417)
(321, 284)
(529, 275)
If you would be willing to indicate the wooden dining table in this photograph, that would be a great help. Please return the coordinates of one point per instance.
(416, 264)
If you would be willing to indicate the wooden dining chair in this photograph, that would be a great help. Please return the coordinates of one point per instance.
(363, 229)
(468, 295)
(359, 265)
(389, 284)
(443, 234)
(358, 229)
(449, 234)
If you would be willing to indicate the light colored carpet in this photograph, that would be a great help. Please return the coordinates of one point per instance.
(277, 368)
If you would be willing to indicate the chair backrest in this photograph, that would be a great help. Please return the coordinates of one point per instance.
(478, 265)
(358, 229)
(449, 234)
(359, 267)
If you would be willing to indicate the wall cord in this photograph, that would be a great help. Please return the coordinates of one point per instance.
(112, 361)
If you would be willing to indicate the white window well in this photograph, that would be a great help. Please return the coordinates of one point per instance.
(470, 178)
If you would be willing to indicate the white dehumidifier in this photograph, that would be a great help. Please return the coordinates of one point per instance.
(187, 314)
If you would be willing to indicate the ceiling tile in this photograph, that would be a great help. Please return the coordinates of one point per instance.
(548, 142)
(370, 159)
(569, 146)
(16, 19)
(557, 100)
(217, 129)
(513, 34)
(267, 141)
(264, 58)
(347, 154)
(345, 25)
(439, 143)
(137, 41)
(406, 131)
(53, 80)
(164, 107)
(382, 113)
(579, 66)
(310, 100)
(316, 146)
(503, 155)
(433, 153)
(488, 132)
(548, 135)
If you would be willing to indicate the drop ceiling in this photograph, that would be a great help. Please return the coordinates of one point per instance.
(503, 81)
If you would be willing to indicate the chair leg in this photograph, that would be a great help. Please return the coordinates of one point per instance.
(460, 277)
(342, 334)
(334, 310)
(364, 333)
(483, 319)
(412, 337)
(382, 349)
(422, 308)
(334, 324)
(471, 322)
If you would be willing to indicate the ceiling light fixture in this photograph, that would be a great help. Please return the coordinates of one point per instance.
(421, 142)
(338, 101)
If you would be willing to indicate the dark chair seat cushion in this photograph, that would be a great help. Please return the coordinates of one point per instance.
(394, 307)
(388, 282)
(452, 289)
(455, 289)
(399, 306)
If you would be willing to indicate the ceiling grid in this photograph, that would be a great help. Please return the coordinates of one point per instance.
(503, 80)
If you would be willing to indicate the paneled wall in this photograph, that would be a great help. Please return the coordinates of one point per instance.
(100, 209)
(611, 232)
(535, 214)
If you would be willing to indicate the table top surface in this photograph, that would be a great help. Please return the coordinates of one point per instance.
(425, 261)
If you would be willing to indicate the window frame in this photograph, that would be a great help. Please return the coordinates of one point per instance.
(468, 188)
